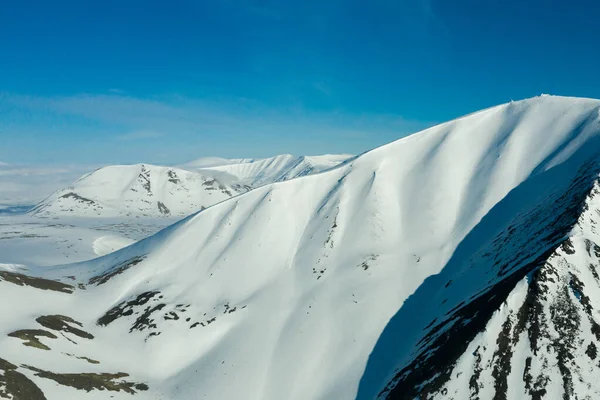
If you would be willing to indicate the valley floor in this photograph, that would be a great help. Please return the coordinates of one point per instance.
(40, 242)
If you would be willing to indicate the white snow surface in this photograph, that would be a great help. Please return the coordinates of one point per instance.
(258, 172)
(29, 240)
(556, 307)
(150, 190)
(288, 287)
(110, 243)
(142, 189)
(205, 162)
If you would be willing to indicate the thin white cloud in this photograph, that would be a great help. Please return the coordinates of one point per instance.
(232, 129)
(149, 118)
(27, 185)
(174, 129)
(141, 135)
(323, 88)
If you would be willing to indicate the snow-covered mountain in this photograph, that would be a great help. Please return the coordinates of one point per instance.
(459, 262)
(208, 162)
(140, 189)
(143, 189)
(258, 172)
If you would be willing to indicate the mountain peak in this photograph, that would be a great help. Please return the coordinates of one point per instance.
(414, 269)
(137, 189)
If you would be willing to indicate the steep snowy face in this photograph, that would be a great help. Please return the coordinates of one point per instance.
(376, 278)
(509, 316)
(137, 190)
(543, 342)
(259, 172)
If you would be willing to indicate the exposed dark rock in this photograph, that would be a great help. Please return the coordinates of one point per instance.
(145, 321)
(171, 315)
(502, 356)
(118, 269)
(90, 381)
(38, 283)
(474, 381)
(64, 324)
(173, 177)
(83, 358)
(144, 317)
(14, 385)
(533, 238)
(78, 198)
(162, 208)
(126, 308)
(567, 247)
(144, 179)
(30, 337)
(592, 351)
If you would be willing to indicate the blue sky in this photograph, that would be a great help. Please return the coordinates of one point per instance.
(147, 81)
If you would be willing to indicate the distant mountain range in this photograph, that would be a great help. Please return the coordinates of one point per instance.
(461, 262)
(143, 189)
(137, 190)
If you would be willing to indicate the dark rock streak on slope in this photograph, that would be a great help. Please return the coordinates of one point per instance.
(533, 239)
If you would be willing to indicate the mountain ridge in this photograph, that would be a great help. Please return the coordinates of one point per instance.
(286, 289)
(436, 351)
(258, 172)
(136, 189)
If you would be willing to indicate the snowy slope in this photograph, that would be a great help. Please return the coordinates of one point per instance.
(137, 190)
(285, 292)
(207, 162)
(254, 173)
(512, 314)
